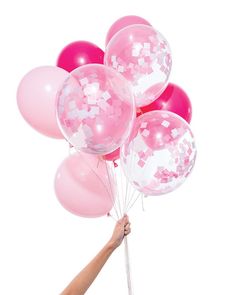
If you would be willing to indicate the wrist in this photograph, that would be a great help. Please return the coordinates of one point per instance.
(111, 245)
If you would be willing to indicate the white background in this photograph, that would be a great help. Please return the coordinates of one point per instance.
(184, 243)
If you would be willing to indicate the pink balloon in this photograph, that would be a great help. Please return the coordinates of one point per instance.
(79, 53)
(91, 106)
(83, 185)
(36, 97)
(173, 99)
(159, 154)
(142, 55)
(125, 22)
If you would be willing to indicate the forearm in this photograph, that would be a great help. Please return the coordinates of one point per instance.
(85, 278)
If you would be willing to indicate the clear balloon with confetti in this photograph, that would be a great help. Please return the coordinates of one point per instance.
(91, 105)
(159, 154)
(142, 55)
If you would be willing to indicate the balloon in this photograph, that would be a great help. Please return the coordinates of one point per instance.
(36, 97)
(83, 186)
(142, 55)
(91, 106)
(79, 53)
(113, 156)
(125, 22)
(159, 154)
(173, 99)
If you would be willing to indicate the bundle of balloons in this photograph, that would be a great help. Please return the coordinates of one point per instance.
(112, 107)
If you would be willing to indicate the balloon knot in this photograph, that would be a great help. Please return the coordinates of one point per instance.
(115, 164)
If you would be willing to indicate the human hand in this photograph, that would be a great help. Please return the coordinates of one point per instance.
(122, 229)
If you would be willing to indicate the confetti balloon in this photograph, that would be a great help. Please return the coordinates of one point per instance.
(159, 154)
(123, 22)
(91, 105)
(142, 55)
(173, 99)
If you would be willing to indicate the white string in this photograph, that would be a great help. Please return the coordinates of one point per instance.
(119, 194)
(142, 198)
(127, 264)
(134, 201)
(109, 190)
(130, 200)
(110, 215)
(117, 197)
(127, 196)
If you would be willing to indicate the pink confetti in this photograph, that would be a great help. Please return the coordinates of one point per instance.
(141, 154)
(141, 163)
(106, 95)
(84, 81)
(165, 123)
(143, 125)
(145, 133)
(174, 133)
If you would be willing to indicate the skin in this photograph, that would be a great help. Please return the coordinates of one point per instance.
(80, 284)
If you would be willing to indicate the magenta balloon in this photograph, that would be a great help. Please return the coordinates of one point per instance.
(173, 99)
(125, 22)
(36, 98)
(112, 156)
(83, 187)
(79, 53)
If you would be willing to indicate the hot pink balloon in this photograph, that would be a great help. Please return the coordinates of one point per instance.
(36, 98)
(159, 154)
(173, 99)
(113, 156)
(142, 55)
(78, 54)
(95, 109)
(83, 186)
(123, 22)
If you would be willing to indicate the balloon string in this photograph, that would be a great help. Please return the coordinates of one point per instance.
(126, 194)
(115, 200)
(128, 190)
(115, 181)
(127, 264)
(130, 200)
(107, 189)
(119, 201)
(142, 197)
(110, 215)
(134, 201)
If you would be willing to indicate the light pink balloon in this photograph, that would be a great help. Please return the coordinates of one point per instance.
(84, 185)
(142, 55)
(159, 154)
(95, 109)
(36, 98)
(123, 22)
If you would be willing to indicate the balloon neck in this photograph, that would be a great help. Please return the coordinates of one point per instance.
(115, 164)
(139, 111)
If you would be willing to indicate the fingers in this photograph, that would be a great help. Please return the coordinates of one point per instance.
(127, 229)
(124, 222)
(125, 218)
